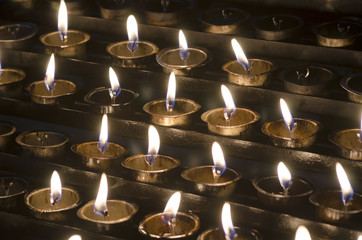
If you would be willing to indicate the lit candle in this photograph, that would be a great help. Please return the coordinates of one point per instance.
(170, 212)
(103, 135)
(55, 188)
(153, 145)
(132, 31)
(287, 117)
(219, 162)
(171, 93)
(49, 75)
(63, 21)
(229, 103)
(184, 49)
(75, 237)
(240, 55)
(347, 190)
(100, 205)
(227, 223)
(302, 234)
(115, 89)
(285, 178)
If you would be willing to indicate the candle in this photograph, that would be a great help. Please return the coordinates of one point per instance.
(17, 35)
(12, 191)
(11, 81)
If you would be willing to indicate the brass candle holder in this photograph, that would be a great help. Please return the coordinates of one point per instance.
(353, 87)
(7, 132)
(240, 234)
(115, 10)
(348, 143)
(17, 35)
(11, 82)
(12, 191)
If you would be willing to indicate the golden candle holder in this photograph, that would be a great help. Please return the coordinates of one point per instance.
(352, 85)
(11, 82)
(12, 191)
(348, 143)
(7, 132)
(17, 35)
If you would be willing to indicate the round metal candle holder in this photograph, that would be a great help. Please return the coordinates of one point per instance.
(102, 101)
(353, 86)
(119, 213)
(38, 203)
(257, 75)
(223, 20)
(75, 46)
(307, 80)
(153, 226)
(11, 82)
(162, 169)
(40, 94)
(271, 194)
(180, 115)
(203, 182)
(42, 144)
(92, 157)
(338, 33)
(240, 123)
(348, 143)
(171, 61)
(277, 27)
(115, 10)
(154, 14)
(142, 57)
(305, 133)
(218, 234)
(17, 35)
(7, 132)
(329, 207)
(12, 191)
(74, 7)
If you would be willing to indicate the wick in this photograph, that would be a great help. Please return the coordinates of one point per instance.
(303, 75)
(347, 205)
(173, 226)
(286, 190)
(216, 178)
(226, 14)
(292, 131)
(277, 22)
(6, 187)
(249, 68)
(42, 138)
(343, 30)
(13, 32)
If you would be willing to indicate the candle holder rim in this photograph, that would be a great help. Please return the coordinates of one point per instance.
(21, 135)
(17, 70)
(74, 205)
(225, 67)
(185, 5)
(32, 26)
(256, 182)
(184, 175)
(205, 115)
(177, 163)
(147, 106)
(210, 10)
(258, 18)
(88, 97)
(316, 29)
(127, 4)
(111, 45)
(43, 36)
(12, 130)
(345, 83)
(194, 217)
(133, 206)
(334, 133)
(75, 146)
(330, 72)
(30, 85)
(252, 231)
(23, 181)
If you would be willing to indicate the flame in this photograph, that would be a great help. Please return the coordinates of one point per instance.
(153, 145)
(219, 162)
(100, 205)
(184, 49)
(347, 190)
(132, 31)
(240, 55)
(359, 237)
(285, 179)
(302, 234)
(359, 134)
(55, 188)
(227, 222)
(103, 136)
(75, 237)
(170, 212)
(49, 75)
(63, 21)
(229, 102)
(287, 116)
(171, 93)
(115, 86)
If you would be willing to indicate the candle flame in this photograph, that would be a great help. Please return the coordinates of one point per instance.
(360, 237)
(63, 21)
(103, 136)
(115, 86)
(240, 55)
(132, 31)
(170, 212)
(153, 145)
(229, 102)
(302, 234)
(227, 222)
(75, 237)
(55, 188)
(171, 93)
(184, 49)
(49, 75)
(287, 116)
(359, 135)
(100, 205)
(284, 176)
(219, 162)
(347, 190)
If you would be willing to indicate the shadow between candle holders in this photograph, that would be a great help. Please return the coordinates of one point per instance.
(11, 82)
(348, 143)
(7, 132)
(353, 86)
(17, 35)
(12, 191)
(218, 234)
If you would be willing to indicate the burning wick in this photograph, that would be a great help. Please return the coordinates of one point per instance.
(153, 145)
(63, 22)
(240, 55)
(171, 93)
(347, 190)
(287, 117)
(219, 162)
(285, 179)
(227, 222)
(103, 136)
(49, 75)
(170, 212)
(55, 189)
(115, 89)
(165, 4)
(75, 237)
(359, 135)
(184, 49)
(302, 234)
(132, 31)
(229, 103)
(100, 205)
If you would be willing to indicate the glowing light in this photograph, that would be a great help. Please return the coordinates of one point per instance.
(100, 205)
(170, 212)
(115, 86)
(63, 21)
(49, 75)
(153, 145)
(240, 55)
(219, 161)
(184, 49)
(103, 136)
(287, 116)
(302, 234)
(359, 135)
(229, 102)
(347, 190)
(284, 176)
(55, 188)
(227, 222)
(75, 237)
(171, 93)
(132, 31)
